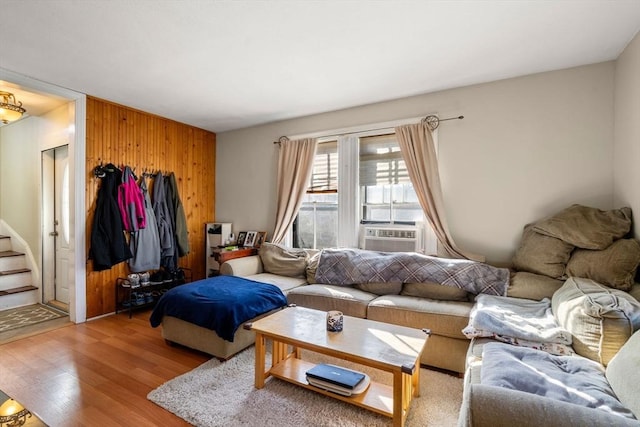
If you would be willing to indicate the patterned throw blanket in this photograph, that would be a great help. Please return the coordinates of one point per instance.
(353, 266)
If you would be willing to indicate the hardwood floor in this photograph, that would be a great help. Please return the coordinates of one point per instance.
(95, 374)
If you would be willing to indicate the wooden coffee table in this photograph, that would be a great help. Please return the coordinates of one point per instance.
(383, 346)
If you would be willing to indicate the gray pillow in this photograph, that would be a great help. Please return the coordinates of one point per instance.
(541, 254)
(614, 266)
(587, 228)
(277, 259)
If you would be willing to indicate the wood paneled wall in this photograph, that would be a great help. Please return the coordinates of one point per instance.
(124, 136)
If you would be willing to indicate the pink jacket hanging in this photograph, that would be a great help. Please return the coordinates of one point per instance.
(131, 202)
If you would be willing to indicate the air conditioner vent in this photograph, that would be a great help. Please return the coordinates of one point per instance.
(391, 239)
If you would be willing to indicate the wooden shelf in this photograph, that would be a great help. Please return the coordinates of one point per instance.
(377, 398)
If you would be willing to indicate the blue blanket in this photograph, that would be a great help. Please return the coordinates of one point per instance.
(220, 303)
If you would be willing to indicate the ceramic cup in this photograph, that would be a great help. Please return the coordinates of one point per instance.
(334, 321)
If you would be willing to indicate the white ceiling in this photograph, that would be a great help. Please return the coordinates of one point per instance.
(223, 65)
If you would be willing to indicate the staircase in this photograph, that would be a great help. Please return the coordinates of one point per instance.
(16, 287)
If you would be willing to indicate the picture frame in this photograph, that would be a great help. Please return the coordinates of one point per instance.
(250, 239)
(261, 237)
(241, 238)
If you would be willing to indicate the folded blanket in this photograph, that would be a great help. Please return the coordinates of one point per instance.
(518, 318)
(572, 379)
(220, 303)
(356, 266)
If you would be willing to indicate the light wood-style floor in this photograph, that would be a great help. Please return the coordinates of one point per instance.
(95, 374)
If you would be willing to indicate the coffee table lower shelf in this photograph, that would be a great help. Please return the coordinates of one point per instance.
(377, 397)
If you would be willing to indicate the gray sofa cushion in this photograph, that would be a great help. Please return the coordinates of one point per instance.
(380, 288)
(283, 282)
(350, 301)
(570, 379)
(434, 291)
(532, 286)
(446, 318)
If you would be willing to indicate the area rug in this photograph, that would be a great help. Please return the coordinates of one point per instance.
(24, 316)
(223, 394)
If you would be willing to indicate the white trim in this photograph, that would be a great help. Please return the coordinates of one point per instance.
(348, 191)
(77, 153)
(78, 158)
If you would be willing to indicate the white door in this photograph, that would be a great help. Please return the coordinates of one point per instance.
(56, 253)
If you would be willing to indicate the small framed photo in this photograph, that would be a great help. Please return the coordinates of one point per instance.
(261, 237)
(241, 238)
(250, 239)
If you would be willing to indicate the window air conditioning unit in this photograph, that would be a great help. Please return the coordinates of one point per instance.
(389, 238)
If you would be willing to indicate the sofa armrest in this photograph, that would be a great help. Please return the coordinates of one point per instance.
(246, 266)
(500, 407)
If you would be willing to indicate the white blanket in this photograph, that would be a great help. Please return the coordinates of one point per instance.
(518, 318)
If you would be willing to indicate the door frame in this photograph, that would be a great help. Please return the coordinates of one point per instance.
(50, 273)
(76, 137)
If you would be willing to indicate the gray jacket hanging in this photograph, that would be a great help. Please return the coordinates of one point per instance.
(165, 226)
(180, 224)
(145, 243)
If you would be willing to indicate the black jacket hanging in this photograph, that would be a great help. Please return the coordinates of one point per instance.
(108, 245)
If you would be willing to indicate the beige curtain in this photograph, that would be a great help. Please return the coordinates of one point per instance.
(295, 164)
(419, 153)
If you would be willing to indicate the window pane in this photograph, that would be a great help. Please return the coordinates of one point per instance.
(386, 192)
(324, 176)
(316, 226)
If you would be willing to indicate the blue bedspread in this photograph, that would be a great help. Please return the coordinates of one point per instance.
(221, 303)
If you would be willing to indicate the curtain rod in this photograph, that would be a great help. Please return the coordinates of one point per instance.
(432, 121)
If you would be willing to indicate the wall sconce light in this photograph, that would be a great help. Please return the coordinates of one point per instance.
(10, 109)
(13, 414)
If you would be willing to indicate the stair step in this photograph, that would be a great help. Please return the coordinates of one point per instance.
(18, 290)
(5, 254)
(16, 271)
(12, 260)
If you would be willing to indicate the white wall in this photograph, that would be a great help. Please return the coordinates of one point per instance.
(626, 165)
(527, 148)
(20, 180)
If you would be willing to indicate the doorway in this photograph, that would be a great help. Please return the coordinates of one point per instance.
(56, 251)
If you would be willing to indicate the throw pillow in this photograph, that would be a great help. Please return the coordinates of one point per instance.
(380, 288)
(541, 254)
(587, 228)
(614, 266)
(599, 318)
(434, 291)
(277, 259)
(312, 266)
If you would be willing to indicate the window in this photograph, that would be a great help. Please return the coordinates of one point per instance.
(386, 192)
(373, 187)
(317, 223)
